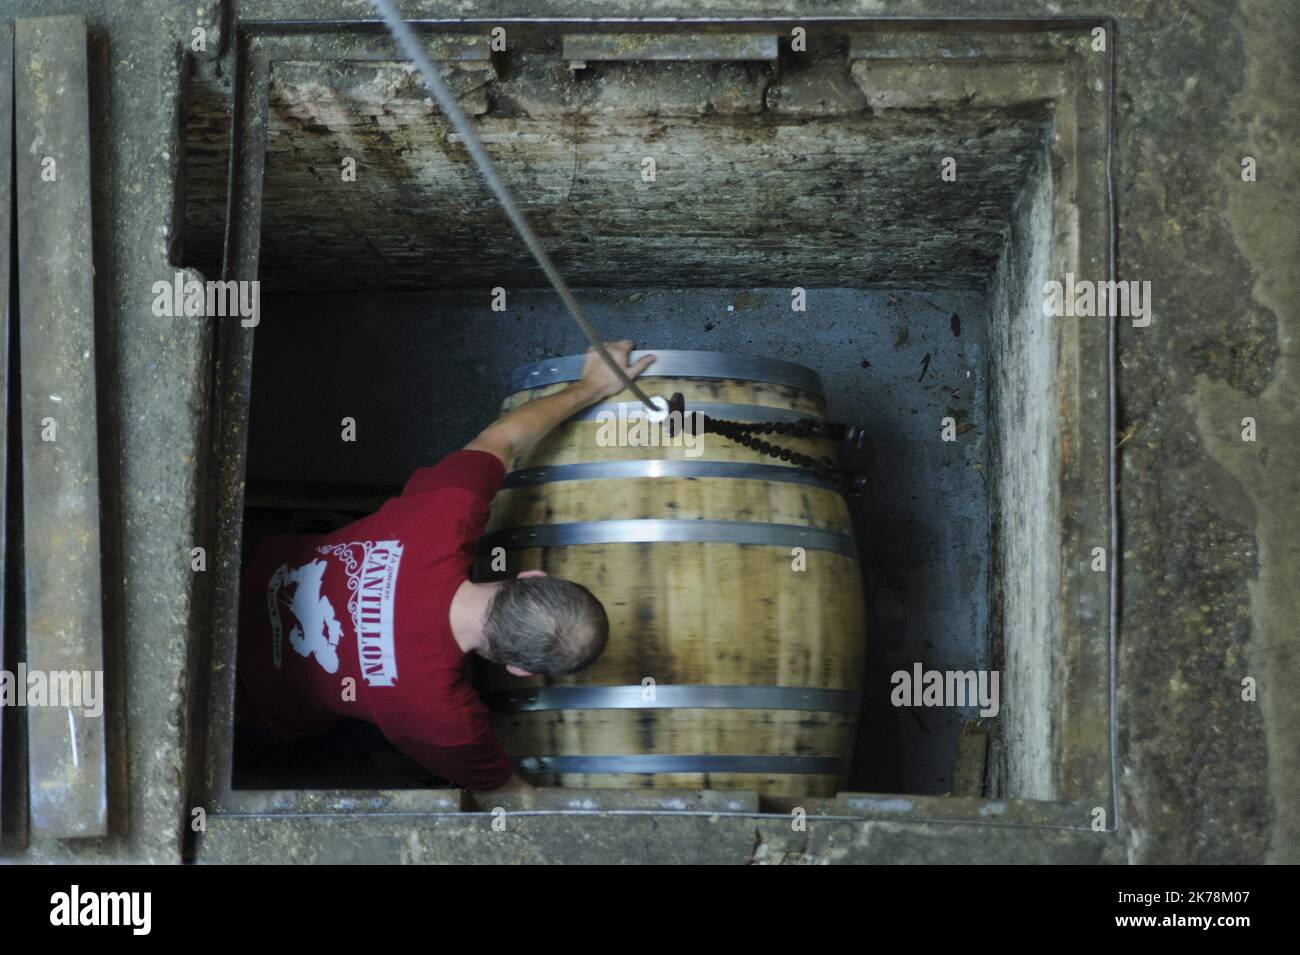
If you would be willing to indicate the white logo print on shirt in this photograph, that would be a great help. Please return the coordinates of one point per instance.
(371, 567)
(372, 578)
(318, 630)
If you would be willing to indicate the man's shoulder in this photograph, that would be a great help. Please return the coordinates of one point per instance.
(473, 471)
(273, 550)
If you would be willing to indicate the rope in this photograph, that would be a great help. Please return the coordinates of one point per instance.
(451, 109)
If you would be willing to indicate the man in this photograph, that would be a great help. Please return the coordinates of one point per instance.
(375, 621)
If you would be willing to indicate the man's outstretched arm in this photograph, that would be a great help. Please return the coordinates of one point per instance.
(516, 431)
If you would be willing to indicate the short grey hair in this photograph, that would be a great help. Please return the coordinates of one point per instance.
(545, 625)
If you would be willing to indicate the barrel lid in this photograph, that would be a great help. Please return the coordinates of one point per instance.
(671, 363)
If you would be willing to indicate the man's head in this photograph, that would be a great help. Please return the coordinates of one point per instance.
(540, 624)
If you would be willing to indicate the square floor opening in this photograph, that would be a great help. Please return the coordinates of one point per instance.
(774, 180)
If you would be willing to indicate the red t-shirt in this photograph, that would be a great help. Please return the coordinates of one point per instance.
(355, 623)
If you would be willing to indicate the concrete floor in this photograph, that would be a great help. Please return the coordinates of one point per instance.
(422, 373)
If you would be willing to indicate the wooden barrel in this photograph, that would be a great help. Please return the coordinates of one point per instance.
(730, 579)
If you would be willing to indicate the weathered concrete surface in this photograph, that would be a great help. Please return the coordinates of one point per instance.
(1260, 222)
(645, 840)
(837, 198)
(151, 398)
(1209, 525)
(60, 435)
(1028, 537)
(1254, 371)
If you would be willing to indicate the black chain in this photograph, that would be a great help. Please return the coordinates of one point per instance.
(749, 434)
